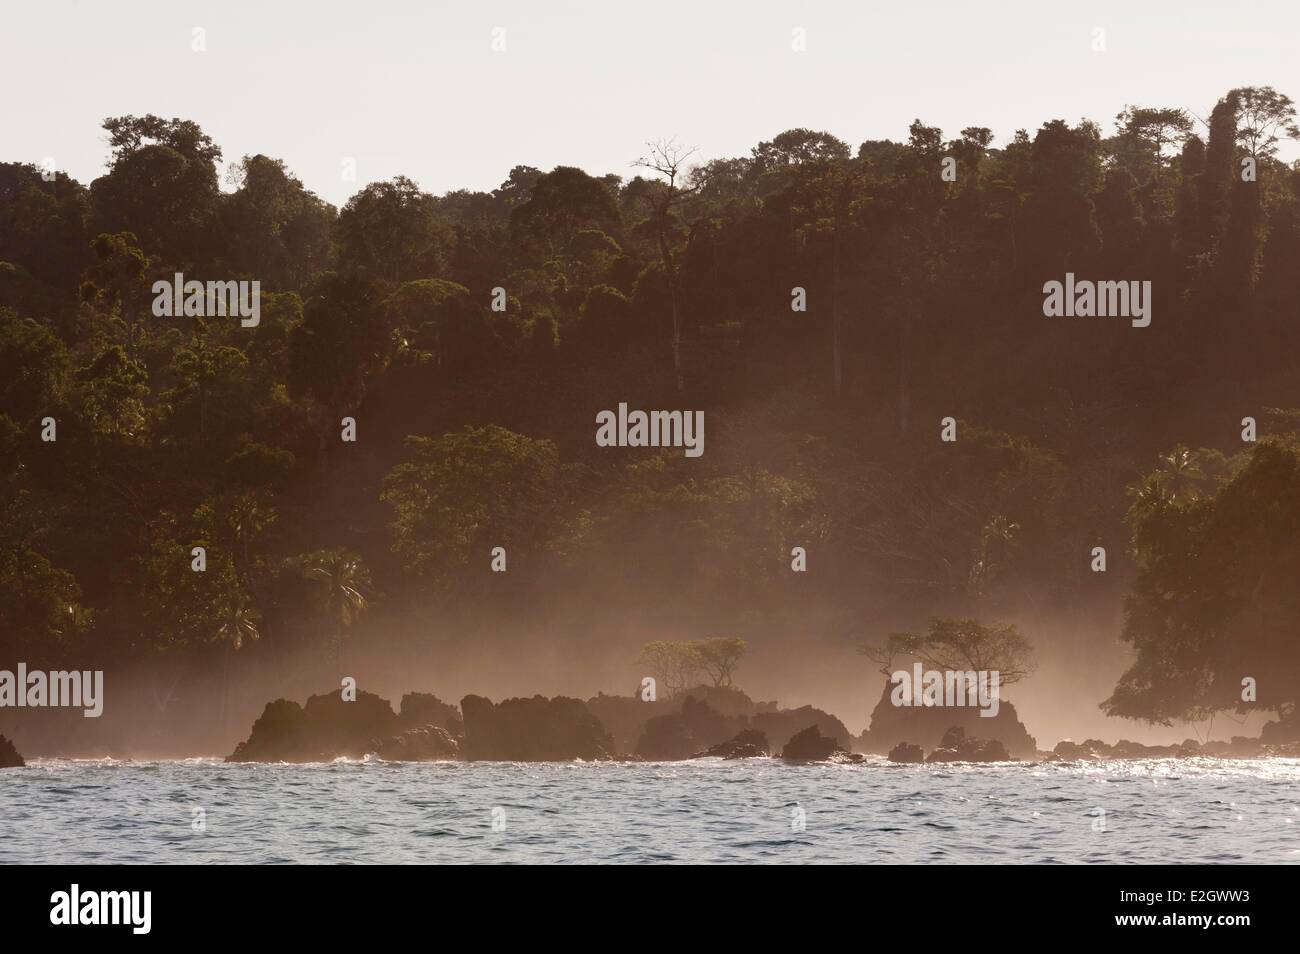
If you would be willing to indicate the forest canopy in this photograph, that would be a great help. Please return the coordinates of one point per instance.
(471, 338)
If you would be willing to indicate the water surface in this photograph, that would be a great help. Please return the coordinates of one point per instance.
(1167, 810)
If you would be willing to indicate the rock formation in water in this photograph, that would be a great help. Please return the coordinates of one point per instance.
(9, 757)
(679, 735)
(625, 717)
(906, 753)
(746, 744)
(782, 725)
(428, 743)
(710, 715)
(926, 725)
(532, 730)
(810, 745)
(1239, 747)
(424, 709)
(326, 728)
(329, 727)
(957, 746)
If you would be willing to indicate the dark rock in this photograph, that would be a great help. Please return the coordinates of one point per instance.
(957, 746)
(9, 757)
(625, 717)
(422, 708)
(925, 726)
(532, 730)
(1088, 749)
(704, 717)
(430, 743)
(326, 728)
(730, 701)
(666, 738)
(682, 734)
(1282, 731)
(782, 725)
(810, 746)
(747, 744)
(907, 753)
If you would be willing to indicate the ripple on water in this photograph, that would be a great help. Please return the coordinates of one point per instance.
(1190, 810)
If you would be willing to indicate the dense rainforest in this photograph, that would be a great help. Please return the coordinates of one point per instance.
(825, 305)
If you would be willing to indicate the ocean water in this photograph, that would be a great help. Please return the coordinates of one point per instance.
(1171, 810)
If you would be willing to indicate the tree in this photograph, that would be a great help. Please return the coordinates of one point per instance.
(391, 231)
(162, 185)
(676, 666)
(457, 496)
(1154, 129)
(113, 389)
(960, 645)
(668, 159)
(1215, 599)
(341, 579)
(41, 611)
(561, 203)
(274, 228)
(1263, 116)
(718, 656)
(32, 364)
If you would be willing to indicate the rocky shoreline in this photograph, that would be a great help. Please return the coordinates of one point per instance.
(9, 757)
(708, 722)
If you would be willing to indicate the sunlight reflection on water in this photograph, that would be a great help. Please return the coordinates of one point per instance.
(1162, 810)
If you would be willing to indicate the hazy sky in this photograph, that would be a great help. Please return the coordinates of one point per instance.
(415, 87)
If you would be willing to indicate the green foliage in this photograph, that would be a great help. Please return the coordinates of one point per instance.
(960, 645)
(678, 665)
(457, 496)
(669, 289)
(41, 611)
(1215, 600)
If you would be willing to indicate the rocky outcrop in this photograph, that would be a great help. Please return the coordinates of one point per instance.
(907, 753)
(926, 725)
(704, 717)
(957, 746)
(429, 743)
(625, 717)
(810, 745)
(532, 730)
(782, 725)
(326, 728)
(1282, 731)
(730, 701)
(746, 744)
(329, 727)
(682, 734)
(1239, 747)
(9, 757)
(423, 709)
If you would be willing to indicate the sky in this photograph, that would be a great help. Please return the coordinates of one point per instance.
(416, 88)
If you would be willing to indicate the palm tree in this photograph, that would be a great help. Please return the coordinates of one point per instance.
(237, 621)
(247, 518)
(341, 577)
(1183, 472)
